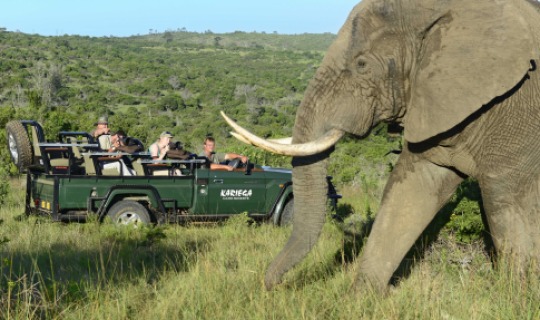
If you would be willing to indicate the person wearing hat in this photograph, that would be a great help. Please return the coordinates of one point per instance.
(102, 127)
(102, 134)
(158, 150)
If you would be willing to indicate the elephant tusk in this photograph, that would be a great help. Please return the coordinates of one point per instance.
(287, 140)
(240, 137)
(323, 143)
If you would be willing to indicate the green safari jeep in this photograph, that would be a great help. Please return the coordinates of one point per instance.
(67, 181)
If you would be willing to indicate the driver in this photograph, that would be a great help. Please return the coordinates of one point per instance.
(217, 158)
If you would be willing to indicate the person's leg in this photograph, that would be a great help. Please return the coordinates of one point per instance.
(112, 165)
(126, 171)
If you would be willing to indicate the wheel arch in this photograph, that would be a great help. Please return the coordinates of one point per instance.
(124, 192)
(284, 197)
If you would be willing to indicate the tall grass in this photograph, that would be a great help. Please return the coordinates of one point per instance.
(90, 271)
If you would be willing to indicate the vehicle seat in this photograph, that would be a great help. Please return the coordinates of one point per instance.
(77, 156)
(54, 158)
(138, 167)
(90, 167)
(158, 169)
(35, 142)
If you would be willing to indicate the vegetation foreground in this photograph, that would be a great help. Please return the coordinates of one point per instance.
(90, 271)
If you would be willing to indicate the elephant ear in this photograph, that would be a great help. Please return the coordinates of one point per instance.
(469, 56)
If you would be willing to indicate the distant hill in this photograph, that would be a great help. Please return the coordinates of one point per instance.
(177, 80)
(302, 42)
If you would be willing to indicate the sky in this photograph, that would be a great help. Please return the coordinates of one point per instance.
(122, 18)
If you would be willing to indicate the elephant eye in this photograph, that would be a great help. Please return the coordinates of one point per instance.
(361, 64)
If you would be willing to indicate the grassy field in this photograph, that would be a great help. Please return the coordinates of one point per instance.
(90, 271)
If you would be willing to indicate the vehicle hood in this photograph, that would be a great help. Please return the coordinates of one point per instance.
(278, 170)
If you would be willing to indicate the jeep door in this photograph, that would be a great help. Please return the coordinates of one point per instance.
(232, 192)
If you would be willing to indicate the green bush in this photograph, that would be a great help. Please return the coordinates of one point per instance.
(465, 221)
(4, 185)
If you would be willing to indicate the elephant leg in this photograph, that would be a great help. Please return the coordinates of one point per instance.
(414, 193)
(513, 214)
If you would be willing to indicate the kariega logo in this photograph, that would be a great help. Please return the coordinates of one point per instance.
(236, 194)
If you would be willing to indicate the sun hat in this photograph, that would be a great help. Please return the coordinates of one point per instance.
(102, 120)
(166, 134)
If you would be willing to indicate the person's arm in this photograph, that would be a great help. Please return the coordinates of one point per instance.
(217, 166)
(115, 146)
(99, 131)
(154, 150)
(163, 152)
(232, 155)
(128, 149)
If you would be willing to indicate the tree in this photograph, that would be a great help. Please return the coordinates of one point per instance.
(168, 36)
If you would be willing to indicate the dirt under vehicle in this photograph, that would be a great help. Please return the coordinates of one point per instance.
(67, 181)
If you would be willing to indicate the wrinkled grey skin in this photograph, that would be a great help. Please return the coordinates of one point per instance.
(461, 78)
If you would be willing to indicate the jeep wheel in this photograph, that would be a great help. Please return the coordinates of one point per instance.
(19, 145)
(287, 214)
(129, 213)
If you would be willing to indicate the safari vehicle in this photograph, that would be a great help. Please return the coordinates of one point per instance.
(66, 180)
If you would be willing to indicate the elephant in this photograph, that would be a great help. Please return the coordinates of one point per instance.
(461, 79)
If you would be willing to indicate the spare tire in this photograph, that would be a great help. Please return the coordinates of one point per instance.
(19, 145)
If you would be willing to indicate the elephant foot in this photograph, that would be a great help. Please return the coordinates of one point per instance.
(271, 280)
(362, 285)
(520, 264)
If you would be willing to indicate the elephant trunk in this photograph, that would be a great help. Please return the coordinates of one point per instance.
(310, 197)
